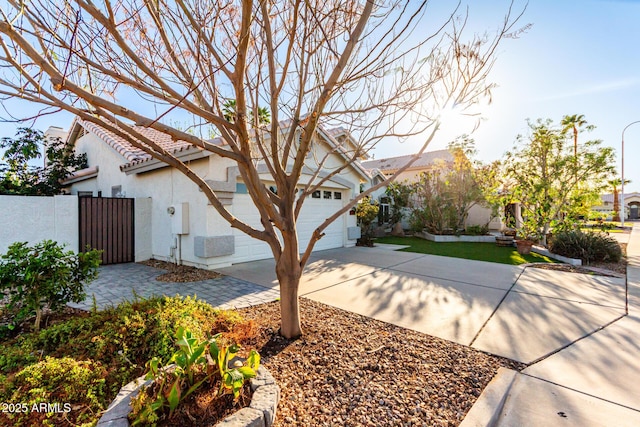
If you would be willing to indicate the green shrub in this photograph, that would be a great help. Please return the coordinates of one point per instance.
(117, 342)
(476, 230)
(589, 247)
(67, 384)
(41, 277)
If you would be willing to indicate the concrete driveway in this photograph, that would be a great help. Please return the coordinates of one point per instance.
(521, 313)
(578, 333)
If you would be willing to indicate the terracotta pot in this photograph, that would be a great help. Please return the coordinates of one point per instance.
(524, 246)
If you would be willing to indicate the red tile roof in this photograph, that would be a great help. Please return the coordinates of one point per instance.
(133, 154)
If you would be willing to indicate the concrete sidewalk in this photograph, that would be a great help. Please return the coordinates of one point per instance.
(595, 381)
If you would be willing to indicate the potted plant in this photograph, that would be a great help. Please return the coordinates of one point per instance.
(525, 238)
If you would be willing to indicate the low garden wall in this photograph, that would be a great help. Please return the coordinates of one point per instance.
(461, 238)
(542, 251)
(261, 412)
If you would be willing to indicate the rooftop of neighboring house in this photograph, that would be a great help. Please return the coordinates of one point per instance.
(608, 198)
(392, 164)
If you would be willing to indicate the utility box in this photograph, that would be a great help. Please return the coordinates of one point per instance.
(179, 218)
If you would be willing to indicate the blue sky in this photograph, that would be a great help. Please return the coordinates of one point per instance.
(579, 57)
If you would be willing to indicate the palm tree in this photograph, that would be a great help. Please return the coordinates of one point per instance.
(615, 183)
(575, 122)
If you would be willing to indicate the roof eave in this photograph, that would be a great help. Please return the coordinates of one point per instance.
(191, 153)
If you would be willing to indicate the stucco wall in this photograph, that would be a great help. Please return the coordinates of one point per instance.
(33, 219)
(156, 190)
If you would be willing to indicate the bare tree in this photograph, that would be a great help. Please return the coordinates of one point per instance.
(381, 69)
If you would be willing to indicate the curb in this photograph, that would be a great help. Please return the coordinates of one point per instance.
(261, 412)
(488, 408)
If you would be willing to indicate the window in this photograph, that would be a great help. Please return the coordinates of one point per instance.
(315, 194)
(241, 188)
(337, 195)
(273, 189)
(85, 193)
(327, 194)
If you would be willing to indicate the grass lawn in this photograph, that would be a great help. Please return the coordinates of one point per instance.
(597, 229)
(479, 251)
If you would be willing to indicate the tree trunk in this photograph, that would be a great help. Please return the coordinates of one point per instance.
(38, 321)
(616, 205)
(289, 272)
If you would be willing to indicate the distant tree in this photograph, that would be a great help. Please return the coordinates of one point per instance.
(574, 123)
(366, 212)
(554, 186)
(400, 194)
(18, 176)
(615, 183)
(446, 193)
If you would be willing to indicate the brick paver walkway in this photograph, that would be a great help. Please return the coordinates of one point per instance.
(121, 282)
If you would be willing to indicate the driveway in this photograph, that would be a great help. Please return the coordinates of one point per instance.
(521, 313)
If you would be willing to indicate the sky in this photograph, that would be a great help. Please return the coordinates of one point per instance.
(578, 57)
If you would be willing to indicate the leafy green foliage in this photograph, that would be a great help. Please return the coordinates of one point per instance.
(233, 377)
(556, 181)
(188, 371)
(57, 380)
(589, 247)
(366, 212)
(445, 194)
(43, 276)
(116, 343)
(17, 176)
(476, 230)
(400, 194)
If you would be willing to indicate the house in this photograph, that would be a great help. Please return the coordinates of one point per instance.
(178, 224)
(478, 215)
(631, 202)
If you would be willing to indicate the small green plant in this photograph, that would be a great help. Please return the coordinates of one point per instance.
(476, 230)
(43, 276)
(589, 247)
(366, 212)
(233, 377)
(56, 381)
(189, 369)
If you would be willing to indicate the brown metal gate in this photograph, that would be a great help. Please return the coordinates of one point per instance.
(108, 224)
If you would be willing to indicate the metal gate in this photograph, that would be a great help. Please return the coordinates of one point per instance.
(108, 224)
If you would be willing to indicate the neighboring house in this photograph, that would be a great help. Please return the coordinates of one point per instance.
(181, 225)
(631, 201)
(478, 215)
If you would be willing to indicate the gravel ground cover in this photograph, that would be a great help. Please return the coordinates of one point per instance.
(350, 370)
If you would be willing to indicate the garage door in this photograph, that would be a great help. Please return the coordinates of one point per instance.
(314, 212)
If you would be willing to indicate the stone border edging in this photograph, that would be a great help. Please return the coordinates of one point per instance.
(453, 238)
(261, 412)
(542, 251)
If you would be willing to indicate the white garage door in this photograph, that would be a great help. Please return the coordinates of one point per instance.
(314, 212)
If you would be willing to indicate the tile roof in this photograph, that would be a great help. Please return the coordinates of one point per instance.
(395, 163)
(136, 156)
(133, 154)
